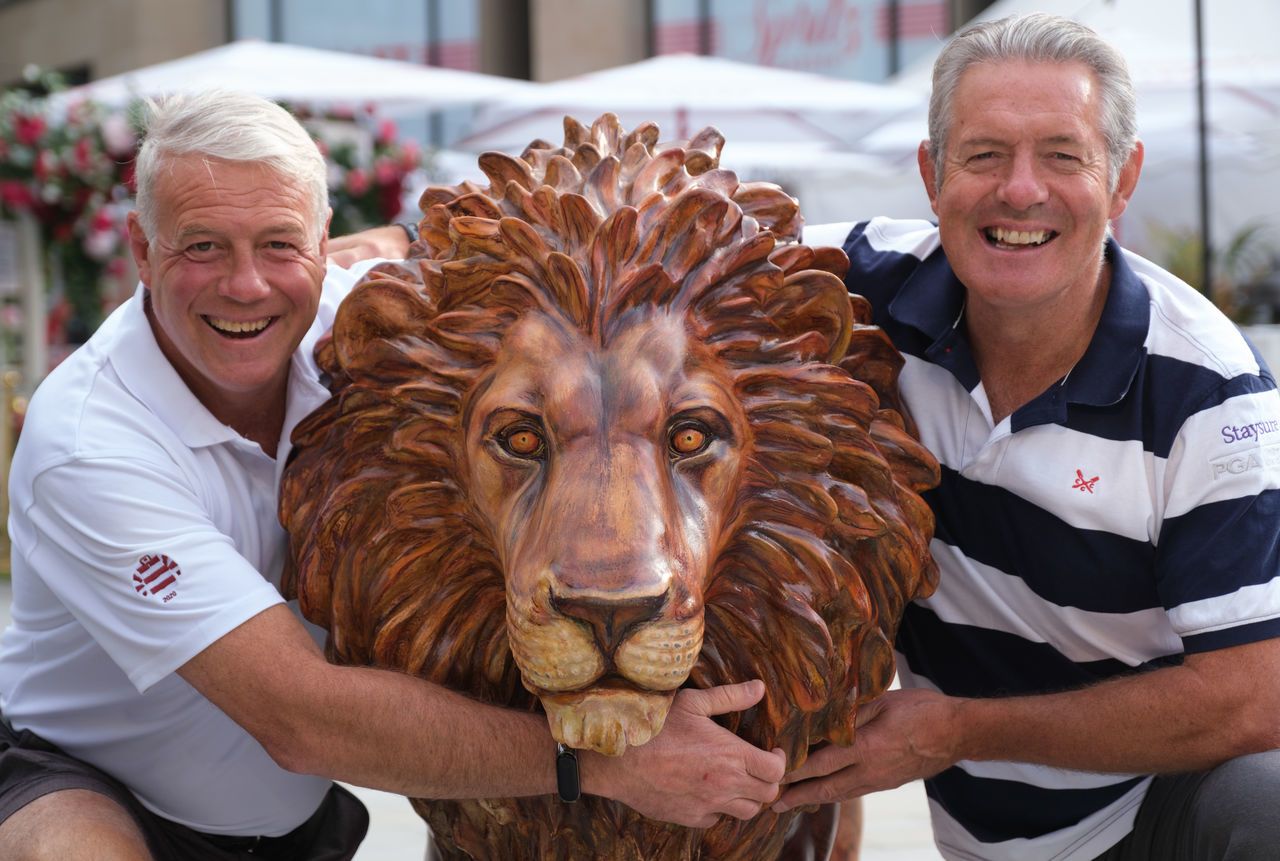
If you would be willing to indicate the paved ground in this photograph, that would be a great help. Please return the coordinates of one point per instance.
(897, 828)
(897, 821)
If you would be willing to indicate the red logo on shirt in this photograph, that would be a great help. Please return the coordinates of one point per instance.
(156, 573)
(1082, 484)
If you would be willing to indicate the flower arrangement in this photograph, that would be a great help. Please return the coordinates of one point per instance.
(74, 176)
(368, 171)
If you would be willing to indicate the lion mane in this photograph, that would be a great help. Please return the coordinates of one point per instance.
(829, 537)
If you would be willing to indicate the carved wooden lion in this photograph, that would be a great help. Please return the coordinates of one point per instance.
(609, 432)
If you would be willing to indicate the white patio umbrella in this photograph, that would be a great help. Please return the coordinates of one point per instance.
(299, 74)
(683, 93)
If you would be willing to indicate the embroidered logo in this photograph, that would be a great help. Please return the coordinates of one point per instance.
(1084, 484)
(1255, 430)
(1264, 457)
(156, 573)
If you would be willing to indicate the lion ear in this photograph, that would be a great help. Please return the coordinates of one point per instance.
(814, 314)
(381, 308)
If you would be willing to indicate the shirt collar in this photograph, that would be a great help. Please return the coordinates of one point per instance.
(932, 299)
(1106, 370)
(149, 376)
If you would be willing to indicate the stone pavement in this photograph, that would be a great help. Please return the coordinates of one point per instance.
(897, 827)
(897, 821)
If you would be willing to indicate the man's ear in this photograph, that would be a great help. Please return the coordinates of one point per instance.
(928, 174)
(140, 247)
(1127, 181)
(324, 237)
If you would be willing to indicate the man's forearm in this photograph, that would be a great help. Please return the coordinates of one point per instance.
(1214, 707)
(1189, 717)
(400, 734)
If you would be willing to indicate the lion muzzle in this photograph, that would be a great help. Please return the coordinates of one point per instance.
(605, 667)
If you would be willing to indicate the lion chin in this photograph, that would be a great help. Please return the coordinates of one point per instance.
(601, 702)
(606, 719)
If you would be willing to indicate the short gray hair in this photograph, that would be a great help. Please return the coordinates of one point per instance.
(1037, 38)
(234, 127)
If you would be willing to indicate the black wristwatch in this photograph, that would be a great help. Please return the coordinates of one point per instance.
(568, 785)
(410, 229)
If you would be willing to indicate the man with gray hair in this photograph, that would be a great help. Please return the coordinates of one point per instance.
(1098, 674)
(160, 699)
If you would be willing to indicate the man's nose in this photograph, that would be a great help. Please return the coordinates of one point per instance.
(1022, 186)
(244, 282)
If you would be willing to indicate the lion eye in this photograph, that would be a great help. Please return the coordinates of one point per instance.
(689, 439)
(523, 442)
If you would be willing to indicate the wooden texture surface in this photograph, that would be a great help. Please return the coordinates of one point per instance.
(610, 431)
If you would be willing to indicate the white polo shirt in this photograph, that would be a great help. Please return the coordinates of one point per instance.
(143, 530)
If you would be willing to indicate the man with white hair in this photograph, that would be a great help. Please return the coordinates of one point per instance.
(160, 699)
(1098, 674)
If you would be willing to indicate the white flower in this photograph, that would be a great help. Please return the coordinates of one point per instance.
(101, 244)
(118, 135)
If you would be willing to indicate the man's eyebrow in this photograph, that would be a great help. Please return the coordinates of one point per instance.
(989, 141)
(982, 142)
(195, 229)
(285, 228)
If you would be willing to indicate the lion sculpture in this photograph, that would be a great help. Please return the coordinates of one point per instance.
(610, 431)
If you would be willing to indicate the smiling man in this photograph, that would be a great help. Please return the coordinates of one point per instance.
(160, 700)
(1098, 674)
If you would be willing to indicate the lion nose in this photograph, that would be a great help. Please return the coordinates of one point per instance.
(610, 617)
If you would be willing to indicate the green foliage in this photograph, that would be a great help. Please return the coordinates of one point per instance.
(1242, 268)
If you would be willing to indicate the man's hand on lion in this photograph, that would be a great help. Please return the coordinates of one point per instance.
(695, 770)
(902, 736)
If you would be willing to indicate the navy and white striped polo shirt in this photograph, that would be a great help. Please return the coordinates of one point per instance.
(1125, 517)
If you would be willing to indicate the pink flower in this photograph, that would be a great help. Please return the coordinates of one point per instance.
(385, 173)
(16, 195)
(357, 181)
(28, 130)
(46, 164)
(118, 136)
(83, 156)
(410, 156)
(386, 132)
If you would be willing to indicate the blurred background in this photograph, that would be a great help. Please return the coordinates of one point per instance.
(825, 97)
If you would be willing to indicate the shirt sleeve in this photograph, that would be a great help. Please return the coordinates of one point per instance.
(131, 549)
(1218, 551)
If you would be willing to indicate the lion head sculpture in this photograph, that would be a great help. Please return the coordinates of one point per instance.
(609, 431)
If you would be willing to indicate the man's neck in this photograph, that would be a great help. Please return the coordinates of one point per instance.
(262, 424)
(1020, 354)
(255, 415)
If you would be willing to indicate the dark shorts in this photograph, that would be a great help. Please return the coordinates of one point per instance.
(31, 767)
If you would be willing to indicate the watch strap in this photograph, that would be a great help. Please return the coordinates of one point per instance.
(568, 781)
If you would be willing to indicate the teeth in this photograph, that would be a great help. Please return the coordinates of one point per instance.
(1018, 237)
(238, 328)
